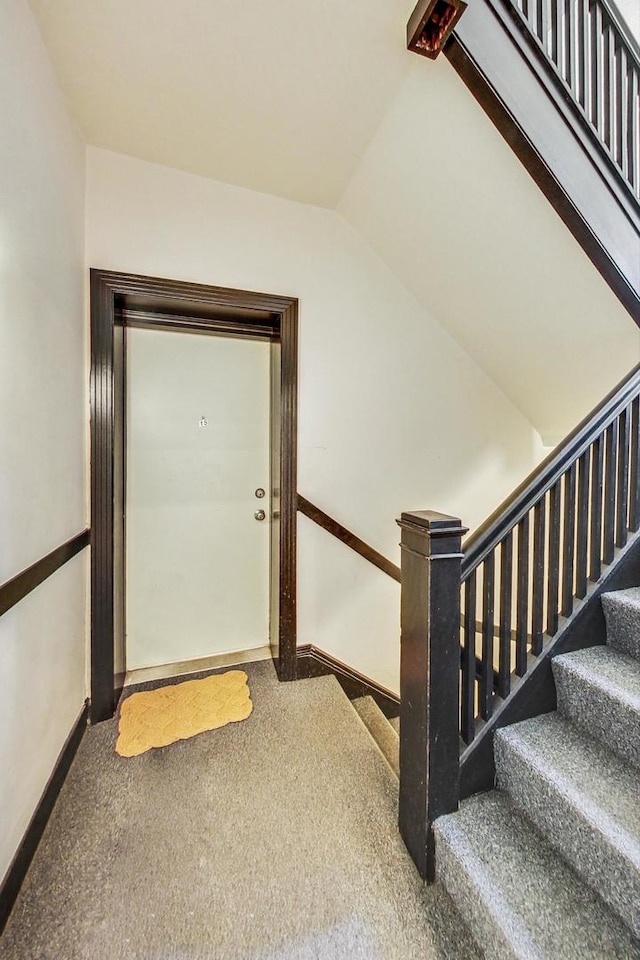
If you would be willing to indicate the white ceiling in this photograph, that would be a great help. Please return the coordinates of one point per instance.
(275, 95)
(319, 101)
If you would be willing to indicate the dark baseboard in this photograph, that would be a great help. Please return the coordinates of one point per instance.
(316, 663)
(12, 882)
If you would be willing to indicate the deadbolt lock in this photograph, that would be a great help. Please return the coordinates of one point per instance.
(259, 493)
(259, 514)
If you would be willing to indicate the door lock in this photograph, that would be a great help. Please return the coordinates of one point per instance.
(259, 514)
(260, 493)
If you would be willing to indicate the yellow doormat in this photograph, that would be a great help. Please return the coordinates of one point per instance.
(156, 718)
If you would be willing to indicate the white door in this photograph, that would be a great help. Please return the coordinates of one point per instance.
(197, 450)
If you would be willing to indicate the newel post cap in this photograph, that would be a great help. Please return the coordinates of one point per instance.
(431, 523)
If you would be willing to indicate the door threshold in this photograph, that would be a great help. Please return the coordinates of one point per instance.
(165, 671)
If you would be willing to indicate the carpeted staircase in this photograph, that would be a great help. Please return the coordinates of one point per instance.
(547, 865)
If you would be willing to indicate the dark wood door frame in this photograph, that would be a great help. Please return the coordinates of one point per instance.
(118, 300)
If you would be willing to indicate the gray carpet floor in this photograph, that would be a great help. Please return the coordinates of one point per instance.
(270, 839)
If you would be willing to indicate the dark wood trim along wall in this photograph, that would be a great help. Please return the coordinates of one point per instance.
(313, 662)
(17, 871)
(345, 536)
(14, 590)
(11, 592)
(118, 300)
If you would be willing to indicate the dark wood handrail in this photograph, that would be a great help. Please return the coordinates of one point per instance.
(349, 539)
(16, 589)
(545, 554)
(480, 544)
(622, 27)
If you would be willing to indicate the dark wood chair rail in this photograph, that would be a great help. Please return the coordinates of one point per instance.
(349, 539)
(345, 536)
(14, 590)
(486, 538)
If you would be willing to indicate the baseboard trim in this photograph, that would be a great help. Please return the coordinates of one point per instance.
(10, 887)
(312, 662)
(184, 668)
(151, 678)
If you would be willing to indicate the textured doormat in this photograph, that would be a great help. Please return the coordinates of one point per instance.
(156, 718)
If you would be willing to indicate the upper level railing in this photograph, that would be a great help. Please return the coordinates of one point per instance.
(598, 61)
(525, 569)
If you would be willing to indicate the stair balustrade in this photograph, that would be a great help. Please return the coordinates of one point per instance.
(597, 60)
(477, 619)
(560, 80)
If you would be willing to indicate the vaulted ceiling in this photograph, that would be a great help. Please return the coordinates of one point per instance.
(281, 96)
(318, 101)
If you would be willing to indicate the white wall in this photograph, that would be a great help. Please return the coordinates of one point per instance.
(42, 417)
(451, 210)
(393, 414)
(630, 10)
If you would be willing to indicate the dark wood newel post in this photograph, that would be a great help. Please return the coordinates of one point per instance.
(429, 677)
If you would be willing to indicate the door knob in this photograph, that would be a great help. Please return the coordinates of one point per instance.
(259, 514)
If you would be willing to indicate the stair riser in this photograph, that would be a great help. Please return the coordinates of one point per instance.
(598, 713)
(517, 896)
(381, 730)
(612, 872)
(473, 900)
(623, 623)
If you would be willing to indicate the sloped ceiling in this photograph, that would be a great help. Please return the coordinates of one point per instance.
(280, 97)
(320, 102)
(445, 202)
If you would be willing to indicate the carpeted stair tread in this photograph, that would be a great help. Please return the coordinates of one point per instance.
(395, 723)
(380, 729)
(583, 798)
(519, 899)
(599, 690)
(622, 615)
